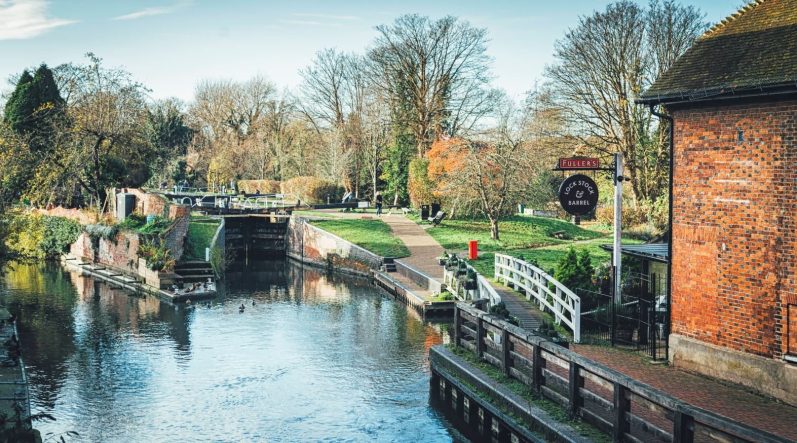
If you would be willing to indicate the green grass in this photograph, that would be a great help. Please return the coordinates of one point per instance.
(515, 232)
(548, 256)
(373, 235)
(200, 234)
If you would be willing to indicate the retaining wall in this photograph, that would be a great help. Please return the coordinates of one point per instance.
(315, 246)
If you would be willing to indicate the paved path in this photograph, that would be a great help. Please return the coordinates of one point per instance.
(424, 249)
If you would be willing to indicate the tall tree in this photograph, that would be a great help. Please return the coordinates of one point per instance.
(107, 144)
(604, 63)
(437, 70)
(169, 135)
(32, 113)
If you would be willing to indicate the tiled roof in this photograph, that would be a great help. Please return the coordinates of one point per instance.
(753, 49)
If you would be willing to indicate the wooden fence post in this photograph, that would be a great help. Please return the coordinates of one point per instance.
(457, 325)
(621, 407)
(536, 369)
(683, 428)
(574, 383)
(506, 358)
(479, 338)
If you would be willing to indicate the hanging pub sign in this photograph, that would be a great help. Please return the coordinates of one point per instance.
(579, 163)
(578, 194)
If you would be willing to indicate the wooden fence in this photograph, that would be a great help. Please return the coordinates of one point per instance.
(616, 404)
(551, 295)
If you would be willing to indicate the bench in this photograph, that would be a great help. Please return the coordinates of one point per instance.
(437, 218)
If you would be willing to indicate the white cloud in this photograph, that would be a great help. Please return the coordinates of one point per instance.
(155, 10)
(21, 19)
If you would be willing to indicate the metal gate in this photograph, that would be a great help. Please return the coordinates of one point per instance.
(638, 322)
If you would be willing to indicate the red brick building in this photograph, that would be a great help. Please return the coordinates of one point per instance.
(733, 101)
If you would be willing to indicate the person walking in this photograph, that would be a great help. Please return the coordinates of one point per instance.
(378, 204)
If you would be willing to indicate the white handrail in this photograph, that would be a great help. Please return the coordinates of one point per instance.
(561, 301)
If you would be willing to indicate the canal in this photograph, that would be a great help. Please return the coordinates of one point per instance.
(311, 357)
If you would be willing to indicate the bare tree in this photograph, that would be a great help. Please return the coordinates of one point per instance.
(604, 63)
(436, 74)
(230, 121)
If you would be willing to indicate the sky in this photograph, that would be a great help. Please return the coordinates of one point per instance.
(171, 45)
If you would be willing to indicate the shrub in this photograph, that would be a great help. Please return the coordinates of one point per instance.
(419, 186)
(312, 189)
(25, 234)
(39, 236)
(499, 310)
(264, 186)
(158, 257)
(575, 270)
(96, 232)
(59, 233)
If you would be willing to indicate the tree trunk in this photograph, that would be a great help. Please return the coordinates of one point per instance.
(494, 228)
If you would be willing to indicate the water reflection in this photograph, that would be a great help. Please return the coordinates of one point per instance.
(315, 357)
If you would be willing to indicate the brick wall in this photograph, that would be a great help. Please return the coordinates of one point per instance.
(120, 253)
(82, 216)
(735, 225)
(175, 238)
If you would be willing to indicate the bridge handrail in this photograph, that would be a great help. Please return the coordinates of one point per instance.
(561, 301)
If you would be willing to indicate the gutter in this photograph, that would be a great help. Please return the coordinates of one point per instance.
(671, 136)
(722, 93)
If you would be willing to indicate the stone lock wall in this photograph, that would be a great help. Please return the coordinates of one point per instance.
(735, 226)
(310, 244)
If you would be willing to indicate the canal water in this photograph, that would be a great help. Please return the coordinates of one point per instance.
(311, 358)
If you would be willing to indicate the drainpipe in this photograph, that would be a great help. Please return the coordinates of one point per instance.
(671, 125)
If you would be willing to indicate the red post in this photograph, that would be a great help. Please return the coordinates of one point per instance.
(473, 250)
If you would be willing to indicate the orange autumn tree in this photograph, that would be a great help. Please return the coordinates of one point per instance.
(490, 172)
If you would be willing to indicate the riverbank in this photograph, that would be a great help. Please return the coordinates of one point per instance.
(119, 279)
(14, 390)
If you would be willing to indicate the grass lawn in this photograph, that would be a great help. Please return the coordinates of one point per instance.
(531, 237)
(515, 232)
(200, 233)
(548, 256)
(373, 235)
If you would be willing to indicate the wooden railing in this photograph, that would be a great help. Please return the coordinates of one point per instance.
(618, 405)
(483, 287)
(561, 301)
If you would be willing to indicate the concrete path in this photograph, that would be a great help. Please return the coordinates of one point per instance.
(424, 249)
